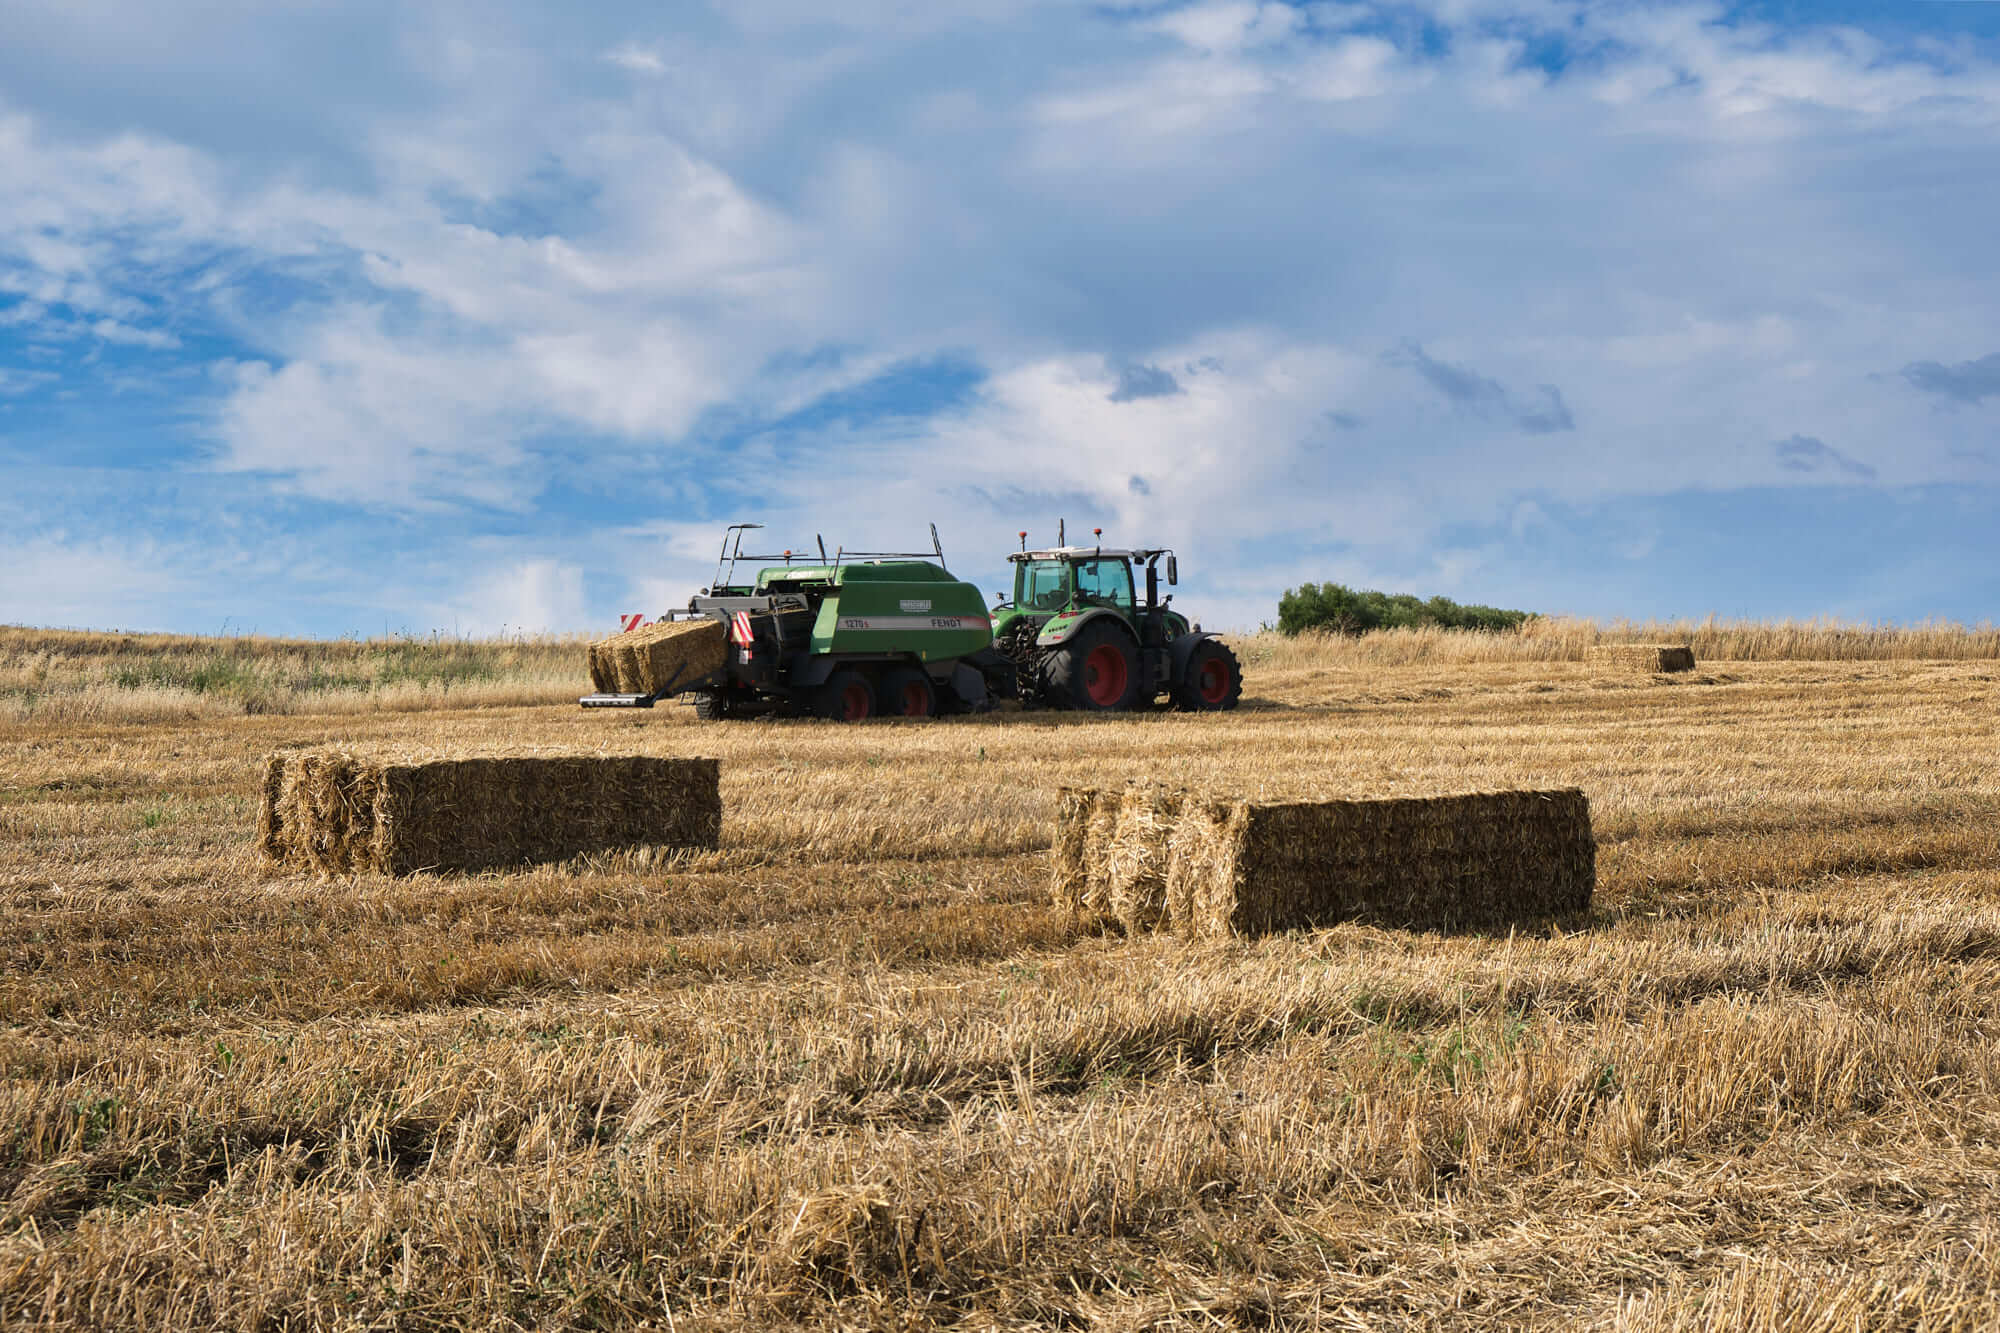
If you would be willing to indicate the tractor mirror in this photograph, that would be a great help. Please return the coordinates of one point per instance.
(1173, 572)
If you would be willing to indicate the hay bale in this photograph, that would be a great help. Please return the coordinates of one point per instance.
(1489, 859)
(1068, 866)
(344, 812)
(326, 813)
(1202, 853)
(1135, 859)
(270, 818)
(668, 655)
(1608, 659)
(1086, 824)
(1219, 867)
(604, 666)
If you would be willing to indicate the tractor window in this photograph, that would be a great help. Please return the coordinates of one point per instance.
(1042, 586)
(1104, 583)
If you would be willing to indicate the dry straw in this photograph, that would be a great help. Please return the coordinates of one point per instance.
(270, 822)
(1135, 888)
(1608, 659)
(341, 812)
(653, 658)
(1206, 867)
(1086, 827)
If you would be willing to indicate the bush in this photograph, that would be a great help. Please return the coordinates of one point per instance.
(1341, 610)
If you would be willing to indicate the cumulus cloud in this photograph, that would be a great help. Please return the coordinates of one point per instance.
(67, 580)
(1173, 245)
(533, 596)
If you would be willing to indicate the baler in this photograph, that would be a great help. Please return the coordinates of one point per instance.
(855, 635)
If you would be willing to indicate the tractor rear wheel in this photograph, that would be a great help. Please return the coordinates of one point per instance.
(712, 705)
(906, 692)
(846, 697)
(1212, 682)
(1097, 671)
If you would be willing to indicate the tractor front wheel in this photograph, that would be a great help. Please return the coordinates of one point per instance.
(906, 692)
(1212, 682)
(846, 697)
(1097, 671)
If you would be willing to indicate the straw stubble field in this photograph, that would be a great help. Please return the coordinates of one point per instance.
(852, 1067)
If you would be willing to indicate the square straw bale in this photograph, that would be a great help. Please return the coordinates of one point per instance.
(604, 666)
(270, 817)
(342, 812)
(325, 815)
(1135, 859)
(1488, 859)
(1610, 659)
(1202, 851)
(1068, 867)
(671, 654)
(1086, 822)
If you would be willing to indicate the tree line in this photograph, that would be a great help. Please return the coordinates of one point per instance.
(1335, 608)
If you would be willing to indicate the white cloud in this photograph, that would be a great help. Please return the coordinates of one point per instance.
(1231, 25)
(13, 381)
(637, 59)
(59, 580)
(1351, 68)
(533, 596)
(1697, 239)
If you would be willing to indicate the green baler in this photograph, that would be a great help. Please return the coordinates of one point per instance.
(851, 636)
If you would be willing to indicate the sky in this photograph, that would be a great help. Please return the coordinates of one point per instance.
(371, 318)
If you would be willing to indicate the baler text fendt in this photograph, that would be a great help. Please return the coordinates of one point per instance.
(872, 633)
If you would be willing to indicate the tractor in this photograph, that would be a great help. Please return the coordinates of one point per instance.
(859, 634)
(1081, 639)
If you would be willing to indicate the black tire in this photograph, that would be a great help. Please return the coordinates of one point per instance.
(711, 705)
(1212, 682)
(846, 697)
(906, 692)
(951, 700)
(1097, 671)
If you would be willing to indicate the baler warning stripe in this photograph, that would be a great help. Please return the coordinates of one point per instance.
(907, 624)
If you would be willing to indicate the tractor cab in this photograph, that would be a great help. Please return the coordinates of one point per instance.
(1071, 578)
(1053, 580)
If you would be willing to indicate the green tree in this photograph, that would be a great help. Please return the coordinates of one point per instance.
(1338, 609)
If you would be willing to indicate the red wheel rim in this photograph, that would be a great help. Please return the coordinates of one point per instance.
(916, 700)
(1214, 683)
(854, 702)
(1104, 675)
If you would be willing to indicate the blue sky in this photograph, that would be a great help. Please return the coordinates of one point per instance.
(364, 318)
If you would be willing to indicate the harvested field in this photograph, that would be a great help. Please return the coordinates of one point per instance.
(1613, 658)
(852, 1067)
(338, 811)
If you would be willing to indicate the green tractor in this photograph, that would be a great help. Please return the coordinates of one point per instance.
(1080, 638)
